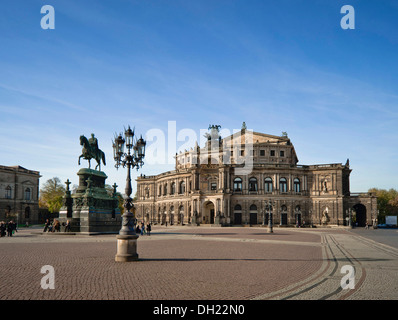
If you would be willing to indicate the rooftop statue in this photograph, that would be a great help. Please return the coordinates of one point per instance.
(91, 151)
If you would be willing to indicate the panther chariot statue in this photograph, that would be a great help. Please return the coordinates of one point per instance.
(91, 151)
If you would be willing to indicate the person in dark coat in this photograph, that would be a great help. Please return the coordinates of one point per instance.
(148, 229)
(2, 229)
(47, 225)
(10, 228)
(67, 226)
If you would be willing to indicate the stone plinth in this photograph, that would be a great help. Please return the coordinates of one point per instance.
(126, 248)
(91, 209)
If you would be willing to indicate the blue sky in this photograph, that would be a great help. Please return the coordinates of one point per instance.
(277, 65)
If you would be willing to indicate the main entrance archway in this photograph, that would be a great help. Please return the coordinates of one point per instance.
(360, 213)
(208, 212)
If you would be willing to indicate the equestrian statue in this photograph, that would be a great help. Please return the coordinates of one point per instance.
(91, 151)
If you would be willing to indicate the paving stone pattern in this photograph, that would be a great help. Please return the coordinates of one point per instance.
(197, 263)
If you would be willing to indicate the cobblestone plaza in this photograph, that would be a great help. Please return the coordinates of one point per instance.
(201, 263)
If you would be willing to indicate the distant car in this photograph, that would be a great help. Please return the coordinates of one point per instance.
(386, 226)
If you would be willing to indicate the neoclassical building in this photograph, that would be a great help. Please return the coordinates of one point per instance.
(240, 179)
(19, 194)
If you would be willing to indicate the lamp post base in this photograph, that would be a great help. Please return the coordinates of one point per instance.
(126, 248)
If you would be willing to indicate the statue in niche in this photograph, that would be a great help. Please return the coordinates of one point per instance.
(325, 186)
(325, 217)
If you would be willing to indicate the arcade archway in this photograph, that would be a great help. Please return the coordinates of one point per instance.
(360, 214)
(208, 212)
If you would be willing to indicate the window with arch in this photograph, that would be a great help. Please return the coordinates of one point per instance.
(284, 209)
(253, 207)
(28, 194)
(296, 185)
(252, 184)
(165, 189)
(173, 188)
(237, 184)
(8, 192)
(282, 185)
(160, 190)
(182, 187)
(27, 212)
(268, 184)
(238, 207)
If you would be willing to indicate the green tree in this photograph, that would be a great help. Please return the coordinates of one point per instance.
(387, 202)
(51, 195)
(109, 190)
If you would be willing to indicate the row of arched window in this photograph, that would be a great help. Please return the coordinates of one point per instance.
(253, 207)
(27, 193)
(268, 184)
(181, 188)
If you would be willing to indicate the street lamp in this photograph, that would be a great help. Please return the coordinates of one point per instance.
(350, 218)
(269, 205)
(127, 237)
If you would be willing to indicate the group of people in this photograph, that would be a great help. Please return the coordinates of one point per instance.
(55, 226)
(7, 228)
(142, 229)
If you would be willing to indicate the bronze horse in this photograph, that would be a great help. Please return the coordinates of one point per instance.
(89, 153)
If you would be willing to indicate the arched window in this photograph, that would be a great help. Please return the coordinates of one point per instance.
(252, 184)
(237, 184)
(238, 214)
(8, 192)
(173, 188)
(282, 185)
(27, 194)
(268, 184)
(165, 189)
(297, 209)
(182, 187)
(296, 185)
(160, 190)
(253, 207)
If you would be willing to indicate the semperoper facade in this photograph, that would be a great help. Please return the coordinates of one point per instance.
(231, 181)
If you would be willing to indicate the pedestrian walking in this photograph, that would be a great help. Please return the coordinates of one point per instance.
(57, 226)
(2, 229)
(67, 226)
(148, 229)
(10, 229)
(46, 225)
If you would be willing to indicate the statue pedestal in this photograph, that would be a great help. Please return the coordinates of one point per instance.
(126, 248)
(91, 209)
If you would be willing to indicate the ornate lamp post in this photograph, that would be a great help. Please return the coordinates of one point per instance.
(269, 205)
(350, 218)
(127, 237)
